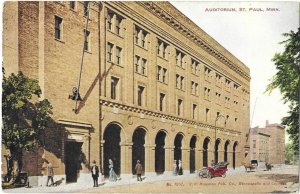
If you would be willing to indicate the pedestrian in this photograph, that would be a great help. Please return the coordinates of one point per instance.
(139, 170)
(180, 171)
(95, 173)
(212, 163)
(50, 173)
(175, 168)
(112, 174)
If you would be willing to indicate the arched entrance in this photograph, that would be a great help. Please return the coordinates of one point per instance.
(177, 147)
(217, 143)
(160, 152)
(111, 148)
(138, 149)
(192, 154)
(226, 151)
(233, 154)
(205, 153)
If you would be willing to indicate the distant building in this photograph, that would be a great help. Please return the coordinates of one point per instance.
(267, 144)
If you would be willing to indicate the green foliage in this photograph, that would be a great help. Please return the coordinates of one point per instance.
(24, 118)
(287, 81)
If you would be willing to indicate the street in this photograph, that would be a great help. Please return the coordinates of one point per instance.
(280, 179)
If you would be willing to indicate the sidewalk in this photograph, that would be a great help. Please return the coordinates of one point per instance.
(75, 187)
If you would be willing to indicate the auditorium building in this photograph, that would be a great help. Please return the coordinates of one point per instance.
(152, 85)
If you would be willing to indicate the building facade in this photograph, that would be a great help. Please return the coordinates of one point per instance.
(268, 144)
(154, 86)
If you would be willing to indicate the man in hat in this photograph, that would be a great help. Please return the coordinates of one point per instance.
(95, 173)
(139, 170)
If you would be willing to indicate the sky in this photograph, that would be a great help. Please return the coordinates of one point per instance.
(253, 37)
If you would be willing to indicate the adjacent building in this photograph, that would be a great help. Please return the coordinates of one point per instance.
(268, 144)
(154, 87)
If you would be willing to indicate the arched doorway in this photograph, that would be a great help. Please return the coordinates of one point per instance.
(205, 153)
(192, 154)
(177, 147)
(138, 149)
(217, 143)
(226, 151)
(111, 148)
(233, 154)
(160, 152)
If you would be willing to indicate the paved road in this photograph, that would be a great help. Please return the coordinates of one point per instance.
(238, 181)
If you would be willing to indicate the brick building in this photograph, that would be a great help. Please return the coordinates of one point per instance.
(268, 144)
(154, 86)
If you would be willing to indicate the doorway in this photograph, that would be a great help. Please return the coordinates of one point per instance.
(72, 160)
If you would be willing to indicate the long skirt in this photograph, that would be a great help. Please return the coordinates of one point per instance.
(112, 175)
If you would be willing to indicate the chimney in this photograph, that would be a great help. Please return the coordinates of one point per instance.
(267, 123)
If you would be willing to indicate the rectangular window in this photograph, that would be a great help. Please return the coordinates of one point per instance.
(118, 55)
(195, 67)
(179, 58)
(143, 39)
(194, 111)
(218, 80)
(179, 82)
(118, 25)
(194, 88)
(206, 114)
(143, 66)
(161, 101)
(110, 21)
(58, 28)
(206, 93)
(114, 88)
(179, 107)
(136, 35)
(140, 95)
(207, 72)
(110, 51)
(254, 143)
(73, 5)
(136, 62)
(161, 49)
(86, 40)
(86, 8)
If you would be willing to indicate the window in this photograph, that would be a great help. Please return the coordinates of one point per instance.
(73, 5)
(179, 82)
(194, 88)
(228, 85)
(110, 21)
(218, 98)
(140, 65)
(140, 37)
(140, 95)
(161, 101)
(58, 28)
(179, 58)
(194, 111)
(206, 93)
(114, 88)
(86, 8)
(118, 55)
(161, 74)
(86, 40)
(207, 72)
(110, 51)
(161, 49)
(114, 22)
(218, 80)
(254, 143)
(179, 107)
(195, 67)
(206, 114)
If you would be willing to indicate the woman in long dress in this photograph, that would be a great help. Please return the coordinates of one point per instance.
(174, 168)
(112, 174)
(180, 171)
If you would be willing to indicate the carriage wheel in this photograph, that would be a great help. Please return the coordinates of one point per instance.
(209, 175)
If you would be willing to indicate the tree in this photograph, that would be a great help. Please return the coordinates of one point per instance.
(287, 80)
(24, 117)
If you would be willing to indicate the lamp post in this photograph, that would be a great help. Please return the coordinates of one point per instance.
(217, 118)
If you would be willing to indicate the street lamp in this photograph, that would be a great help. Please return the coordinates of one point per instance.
(217, 118)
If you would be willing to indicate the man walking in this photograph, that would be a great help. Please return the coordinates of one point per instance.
(50, 173)
(95, 173)
(139, 170)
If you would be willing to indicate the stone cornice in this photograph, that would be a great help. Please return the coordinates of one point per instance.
(213, 48)
(163, 116)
